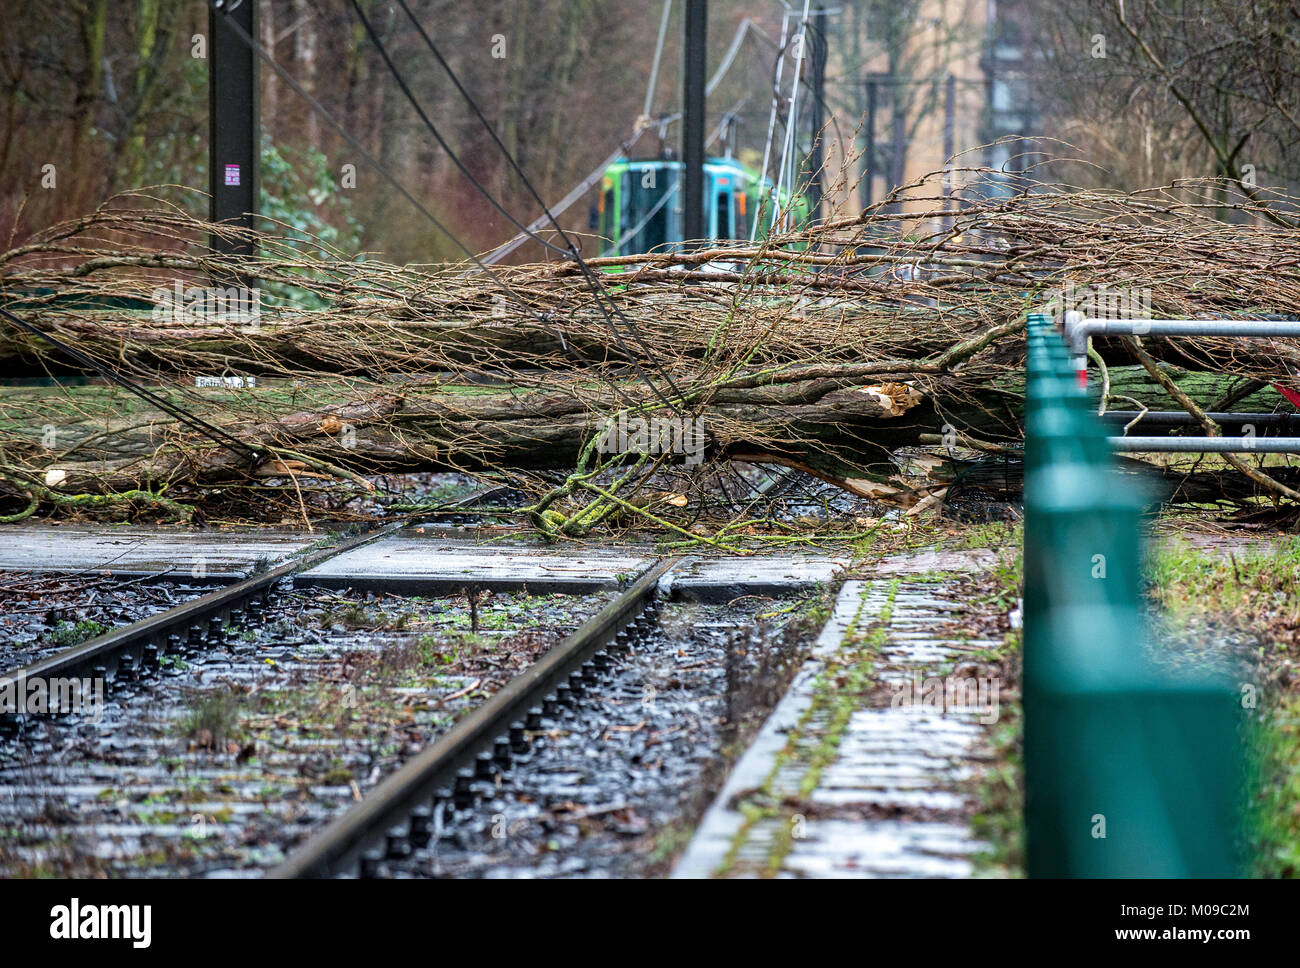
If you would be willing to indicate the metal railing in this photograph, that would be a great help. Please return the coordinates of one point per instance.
(1078, 329)
(1128, 771)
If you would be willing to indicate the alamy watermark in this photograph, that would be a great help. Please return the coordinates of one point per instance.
(654, 435)
(1100, 302)
(40, 696)
(75, 921)
(181, 305)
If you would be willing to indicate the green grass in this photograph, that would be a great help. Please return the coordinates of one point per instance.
(1262, 581)
(68, 634)
(999, 789)
(1251, 596)
(213, 719)
(994, 536)
(1000, 792)
(1274, 815)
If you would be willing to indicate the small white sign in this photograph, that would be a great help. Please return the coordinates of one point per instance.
(234, 382)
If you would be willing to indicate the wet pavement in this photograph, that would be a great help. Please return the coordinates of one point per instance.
(431, 563)
(724, 579)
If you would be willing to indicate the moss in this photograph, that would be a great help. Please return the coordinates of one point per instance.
(838, 689)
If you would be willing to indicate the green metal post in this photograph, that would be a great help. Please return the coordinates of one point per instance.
(1128, 771)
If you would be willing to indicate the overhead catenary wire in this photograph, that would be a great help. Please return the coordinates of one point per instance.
(598, 290)
(771, 118)
(659, 52)
(166, 406)
(788, 148)
(437, 135)
(256, 47)
(316, 106)
(746, 27)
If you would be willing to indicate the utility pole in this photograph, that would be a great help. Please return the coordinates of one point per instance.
(234, 125)
(816, 158)
(869, 178)
(949, 148)
(695, 24)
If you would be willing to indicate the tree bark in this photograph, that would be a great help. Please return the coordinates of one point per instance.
(843, 432)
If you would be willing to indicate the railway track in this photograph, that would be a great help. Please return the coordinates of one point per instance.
(403, 811)
(275, 727)
(229, 754)
(138, 648)
(303, 731)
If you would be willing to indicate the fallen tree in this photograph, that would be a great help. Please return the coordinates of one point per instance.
(828, 350)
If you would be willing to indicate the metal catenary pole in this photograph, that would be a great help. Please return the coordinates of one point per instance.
(694, 68)
(234, 120)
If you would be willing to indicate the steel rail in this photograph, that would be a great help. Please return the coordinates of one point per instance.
(162, 631)
(341, 845)
(1206, 445)
(1175, 418)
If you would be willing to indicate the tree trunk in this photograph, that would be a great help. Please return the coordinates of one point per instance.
(842, 432)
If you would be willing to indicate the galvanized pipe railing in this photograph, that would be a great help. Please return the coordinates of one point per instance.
(1078, 329)
(1205, 445)
(1174, 418)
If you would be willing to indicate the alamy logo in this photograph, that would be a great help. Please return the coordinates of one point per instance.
(1100, 302)
(236, 304)
(654, 435)
(73, 922)
(945, 693)
(54, 696)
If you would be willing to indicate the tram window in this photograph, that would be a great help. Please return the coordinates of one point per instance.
(607, 227)
(649, 214)
(724, 215)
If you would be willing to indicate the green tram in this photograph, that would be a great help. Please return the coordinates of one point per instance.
(640, 204)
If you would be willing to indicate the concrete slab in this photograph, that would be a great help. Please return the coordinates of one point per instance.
(722, 579)
(891, 802)
(133, 550)
(431, 565)
(918, 562)
(723, 822)
(885, 848)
